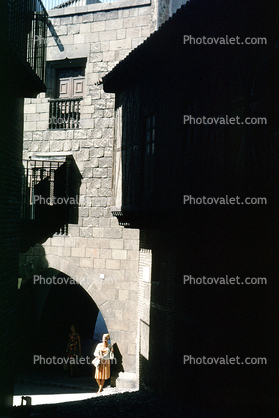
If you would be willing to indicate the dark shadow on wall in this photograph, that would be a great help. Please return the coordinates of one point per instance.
(49, 302)
(116, 365)
(55, 36)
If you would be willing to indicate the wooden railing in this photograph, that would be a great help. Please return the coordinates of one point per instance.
(64, 113)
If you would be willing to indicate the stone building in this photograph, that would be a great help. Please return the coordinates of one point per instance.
(22, 75)
(75, 119)
(162, 160)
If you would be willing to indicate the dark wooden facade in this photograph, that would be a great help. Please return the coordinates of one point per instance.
(167, 79)
(21, 75)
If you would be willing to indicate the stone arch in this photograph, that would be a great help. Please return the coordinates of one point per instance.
(90, 284)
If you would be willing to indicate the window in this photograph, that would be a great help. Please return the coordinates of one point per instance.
(149, 150)
(64, 112)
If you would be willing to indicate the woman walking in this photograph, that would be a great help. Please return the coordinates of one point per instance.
(104, 352)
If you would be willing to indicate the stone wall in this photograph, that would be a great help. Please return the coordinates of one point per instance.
(97, 249)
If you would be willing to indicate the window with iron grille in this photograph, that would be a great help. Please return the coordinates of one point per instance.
(64, 111)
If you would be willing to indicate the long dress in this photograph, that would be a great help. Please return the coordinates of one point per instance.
(103, 370)
(73, 346)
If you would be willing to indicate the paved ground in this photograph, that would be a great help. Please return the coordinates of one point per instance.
(54, 386)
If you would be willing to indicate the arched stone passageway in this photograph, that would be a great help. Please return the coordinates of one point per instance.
(77, 296)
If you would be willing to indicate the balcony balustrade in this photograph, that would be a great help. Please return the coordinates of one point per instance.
(64, 113)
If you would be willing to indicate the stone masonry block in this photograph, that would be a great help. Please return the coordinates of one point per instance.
(86, 232)
(78, 252)
(100, 263)
(42, 108)
(98, 26)
(89, 17)
(108, 56)
(56, 146)
(133, 32)
(37, 136)
(113, 264)
(32, 117)
(95, 47)
(86, 262)
(99, 201)
(121, 325)
(109, 35)
(105, 46)
(107, 184)
(145, 31)
(77, 19)
(66, 20)
(59, 134)
(98, 114)
(124, 294)
(100, 172)
(103, 243)
(132, 348)
(114, 24)
(112, 233)
(100, 66)
(96, 57)
(80, 134)
(79, 38)
(92, 37)
(73, 29)
(69, 241)
(105, 162)
(87, 123)
(132, 255)
(92, 252)
(96, 152)
(116, 244)
(131, 233)
(31, 108)
(121, 54)
(85, 28)
(119, 254)
(96, 212)
(104, 222)
(81, 242)
(136, 42)
(114, 223)
(65, 40)
(105, 253)
(129, 336)
(123, 13)
(121, 44)
(113, 14)
(61, 30)
(129, 265)
(135, 12)
(98, 232)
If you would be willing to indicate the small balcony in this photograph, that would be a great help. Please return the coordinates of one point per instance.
(64, 113)
(50, 198)
(23, 25)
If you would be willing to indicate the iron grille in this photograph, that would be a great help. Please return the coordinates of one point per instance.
(27, 23)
